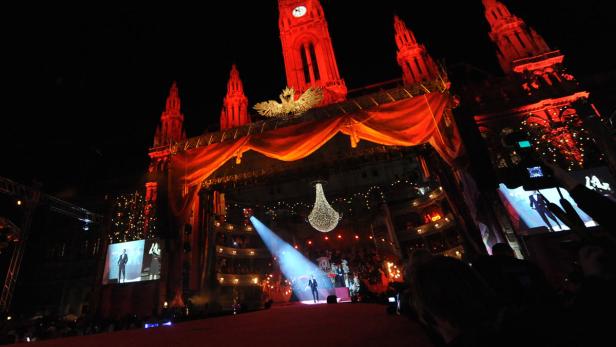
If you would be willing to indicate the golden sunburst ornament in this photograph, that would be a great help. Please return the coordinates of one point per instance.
(288, 105)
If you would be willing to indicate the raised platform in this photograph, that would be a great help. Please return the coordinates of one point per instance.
(290, 325)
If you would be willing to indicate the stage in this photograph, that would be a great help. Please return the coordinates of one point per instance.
(289, 325)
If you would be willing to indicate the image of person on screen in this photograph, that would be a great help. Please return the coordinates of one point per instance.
(155, 261)
(122, 266)
(313, 287)
(539, 203)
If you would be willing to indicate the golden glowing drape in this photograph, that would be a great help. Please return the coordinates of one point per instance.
(408, 122)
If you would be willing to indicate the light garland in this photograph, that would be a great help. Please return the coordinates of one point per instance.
(366, 199)
(130, 221)
(564, 142)
(322, 217)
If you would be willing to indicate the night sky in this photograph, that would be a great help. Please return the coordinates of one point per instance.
(87, 85)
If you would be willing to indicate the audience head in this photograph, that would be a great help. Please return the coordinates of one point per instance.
(417, 257)
(502, 249)
(450, 296)
(597, 257)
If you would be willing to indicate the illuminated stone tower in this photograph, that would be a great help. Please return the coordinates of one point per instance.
(307, 49)
(515, 41)
(235, 106)
(543, 98)
(169, 131)
(417, 65)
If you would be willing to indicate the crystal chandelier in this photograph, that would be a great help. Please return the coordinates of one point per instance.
(322, 217)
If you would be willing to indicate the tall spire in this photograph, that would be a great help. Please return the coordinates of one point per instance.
(170, 129)
(307, 49)
(514, 39)
(235, 106)
(417, 65)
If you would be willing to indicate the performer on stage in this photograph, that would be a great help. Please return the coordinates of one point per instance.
(155, 261)
(313, 286)
(122, 266)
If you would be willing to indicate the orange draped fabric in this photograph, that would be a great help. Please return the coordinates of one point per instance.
(408, 122)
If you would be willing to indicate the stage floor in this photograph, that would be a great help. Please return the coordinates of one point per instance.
(291, 325)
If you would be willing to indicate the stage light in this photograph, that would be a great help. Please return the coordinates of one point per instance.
(310, 242)
(165, 304)
(9, 317)
(252, 252)
(168, 323)
(18, 202)
(322, 217)
(326, 238)
(391, 299)
(356, 237)
(255, 280)
(339, 236)
(293, 264)
(295, 247)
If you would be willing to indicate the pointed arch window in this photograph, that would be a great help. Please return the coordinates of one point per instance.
(315, 64)
(418, 66)
(305, 66)
(408, 64)
(517, 35)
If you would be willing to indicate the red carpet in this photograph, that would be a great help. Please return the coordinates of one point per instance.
(295, 325)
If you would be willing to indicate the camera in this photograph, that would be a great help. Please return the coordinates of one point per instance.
(529, 172)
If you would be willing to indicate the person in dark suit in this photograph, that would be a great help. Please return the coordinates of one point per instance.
(539, 203)
(313, 286)
(122, 266)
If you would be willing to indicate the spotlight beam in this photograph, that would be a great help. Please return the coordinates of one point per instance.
(294, 265)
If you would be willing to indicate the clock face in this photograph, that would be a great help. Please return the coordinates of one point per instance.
(299, 11)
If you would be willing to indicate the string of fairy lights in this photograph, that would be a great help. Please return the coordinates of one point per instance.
(132, 218)
(564, 142)
(374, 195)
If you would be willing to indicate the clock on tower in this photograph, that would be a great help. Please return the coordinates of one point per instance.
(299, 11)
(307, 49)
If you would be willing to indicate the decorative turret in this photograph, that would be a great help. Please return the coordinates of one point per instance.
(417, 65)
(307, 49)
(515, 41)
(235, 106)
(170, 129)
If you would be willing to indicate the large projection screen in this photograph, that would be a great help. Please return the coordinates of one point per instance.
(133, 261)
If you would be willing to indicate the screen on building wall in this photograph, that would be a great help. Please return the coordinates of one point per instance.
(597, 179)
(528, 209)
(133, 261)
